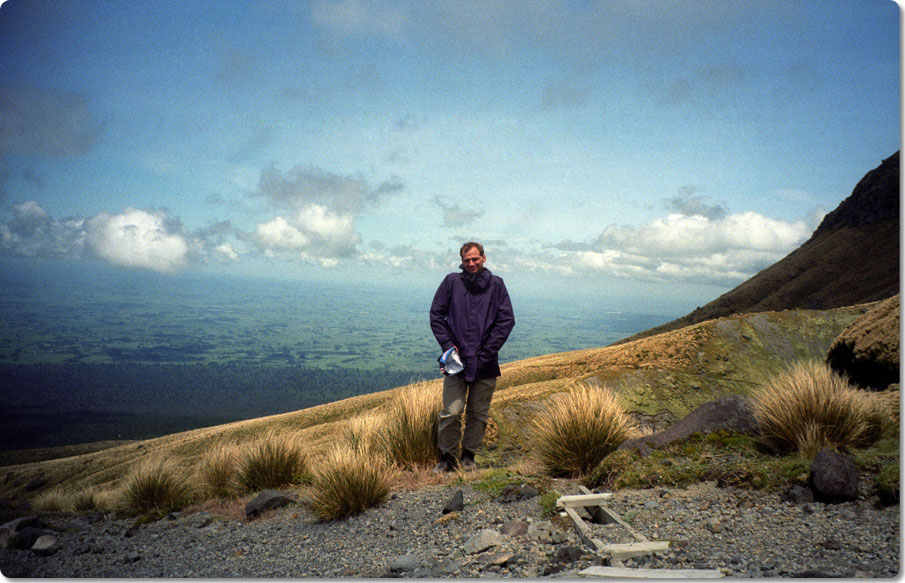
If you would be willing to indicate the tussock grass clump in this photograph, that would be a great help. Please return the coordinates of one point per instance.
(217, 471)
(365, 433)
(580, 428)
(411, 425)
(349, 481)
(55, 500)
(156, 486)
(272, 461)
(808, 407)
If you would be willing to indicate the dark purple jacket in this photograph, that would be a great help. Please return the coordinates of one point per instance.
(474, 314)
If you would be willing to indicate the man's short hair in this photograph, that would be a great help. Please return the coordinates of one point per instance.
(470, 245)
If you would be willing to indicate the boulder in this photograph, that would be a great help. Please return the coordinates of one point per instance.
(868, 350)
(834, 477)
(46, 545)
(732, 413)
(267, 500)
(454, 504)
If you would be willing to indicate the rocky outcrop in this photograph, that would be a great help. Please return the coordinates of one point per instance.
(868, 350)
(731, 414)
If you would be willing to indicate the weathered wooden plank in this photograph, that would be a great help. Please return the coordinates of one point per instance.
(605, 515)
(626, 573)
(584, 532)
(582, 500)
(619, 552)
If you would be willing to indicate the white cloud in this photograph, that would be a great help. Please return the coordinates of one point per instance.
(314, 233)
(138, 239)
(692, 248)
(279, 234)
(226, 251)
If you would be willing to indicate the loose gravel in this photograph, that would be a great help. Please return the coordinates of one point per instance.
(740, 532)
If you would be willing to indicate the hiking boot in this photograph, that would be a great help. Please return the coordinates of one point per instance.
(447, 463)
(467, 461)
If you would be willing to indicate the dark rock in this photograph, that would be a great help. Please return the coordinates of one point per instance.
(267, 500)
(831, 545)
(834, 477)
(567, 554)
(798, 495)
(731, 414)
(25, 538)
(515, 493)
(816, 575)
(454, 504)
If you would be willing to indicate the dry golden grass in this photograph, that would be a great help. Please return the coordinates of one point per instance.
(55, 500)
(157, 485)
(364, 432)
(275, 460)
(217, 472)
(349, 481)
(521, 393)
(411, 424)
(578, 429)
(808, 407)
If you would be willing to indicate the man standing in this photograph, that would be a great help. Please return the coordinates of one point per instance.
(471, 311)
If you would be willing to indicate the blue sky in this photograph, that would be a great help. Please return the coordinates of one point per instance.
(641, 149)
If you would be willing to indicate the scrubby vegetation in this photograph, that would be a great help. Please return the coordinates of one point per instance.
(275, 460)
(217, 472)
(726, 458)
(156, 486)
(550, 417)
(808, 407)
(579, 428)
(349, 481)
(411, 425)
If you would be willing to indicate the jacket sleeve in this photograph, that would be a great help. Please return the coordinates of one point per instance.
(439, 310)
(502, 325)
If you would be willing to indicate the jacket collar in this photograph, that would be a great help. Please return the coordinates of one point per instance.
(475, 282)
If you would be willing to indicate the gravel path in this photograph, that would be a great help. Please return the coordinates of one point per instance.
(740, 532)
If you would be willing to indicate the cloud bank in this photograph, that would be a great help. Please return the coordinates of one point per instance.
(713, 249)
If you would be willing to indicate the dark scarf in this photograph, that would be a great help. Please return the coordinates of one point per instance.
(475, 282)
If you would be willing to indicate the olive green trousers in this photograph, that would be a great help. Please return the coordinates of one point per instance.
(474, 400)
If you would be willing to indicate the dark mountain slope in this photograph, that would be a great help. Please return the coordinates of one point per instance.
(852, 258)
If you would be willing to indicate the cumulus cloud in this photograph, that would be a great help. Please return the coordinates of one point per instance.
(32, 232)
(314, 233)
(138, 239)
(133, 238)
(692, 247)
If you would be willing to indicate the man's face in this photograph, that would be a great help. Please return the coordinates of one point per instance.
(473, 260)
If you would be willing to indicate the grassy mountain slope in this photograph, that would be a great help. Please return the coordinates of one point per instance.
(662, 378)
(852, 258)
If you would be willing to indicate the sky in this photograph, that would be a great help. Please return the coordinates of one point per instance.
(655, 152)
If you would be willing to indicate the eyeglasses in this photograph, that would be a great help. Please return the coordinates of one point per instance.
(471, 260)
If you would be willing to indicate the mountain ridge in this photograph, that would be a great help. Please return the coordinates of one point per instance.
(851, 258)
